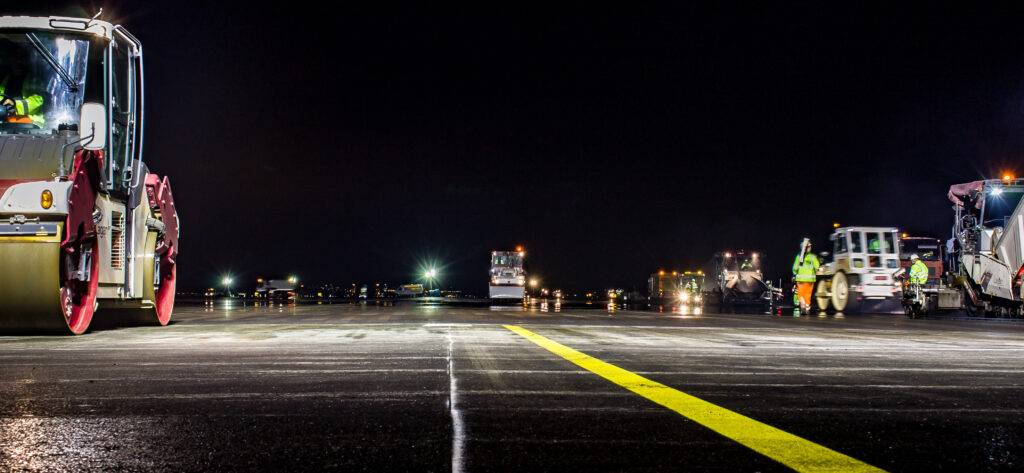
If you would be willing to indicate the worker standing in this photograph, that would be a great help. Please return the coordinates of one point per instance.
(805, 268)
(918, 270)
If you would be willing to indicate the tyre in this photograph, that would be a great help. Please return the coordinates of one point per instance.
(822, 295)
(78, 295)
(843, 300)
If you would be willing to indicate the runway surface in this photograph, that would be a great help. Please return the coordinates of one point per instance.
(413, 387)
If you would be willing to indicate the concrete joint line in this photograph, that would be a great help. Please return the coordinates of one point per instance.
(458, 428)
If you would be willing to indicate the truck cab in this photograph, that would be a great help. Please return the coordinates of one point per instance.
(930, 250)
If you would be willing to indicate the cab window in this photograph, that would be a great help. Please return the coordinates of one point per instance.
(122, 105)
(856, 242)
(840, 245)
(889, 243)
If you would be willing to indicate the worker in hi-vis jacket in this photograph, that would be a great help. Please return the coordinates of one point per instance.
(805, 267)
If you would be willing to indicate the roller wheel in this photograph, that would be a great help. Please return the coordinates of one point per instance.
(78, 297)
(159, 276)
(822, 295)
(164, 288)
(843, 300)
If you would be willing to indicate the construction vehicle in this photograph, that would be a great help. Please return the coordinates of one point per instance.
(691, 285)
(739, 279)
(922, 299)
(929, 250)
(277, 289)
(83, 223)
(663, 286)
(507, 276)
(675, 287)
(988, 247)
(863, 267)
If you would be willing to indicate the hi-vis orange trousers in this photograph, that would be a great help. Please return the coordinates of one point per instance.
(805, 290)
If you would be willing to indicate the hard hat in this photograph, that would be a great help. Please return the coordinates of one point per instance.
(914, 257)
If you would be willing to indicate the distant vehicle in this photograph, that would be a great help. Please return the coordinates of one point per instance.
(863, 267)
(738, 279)
(663, 285)
(507, 276)
(930, 250)
(409, 290)
(275, 288)
(363, 292)
(690, 288)
(675, 287)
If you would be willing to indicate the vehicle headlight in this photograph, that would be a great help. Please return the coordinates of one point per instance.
(684, 297)
(696, 298)
(46, 199)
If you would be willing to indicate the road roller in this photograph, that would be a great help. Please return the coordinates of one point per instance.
(87, 233)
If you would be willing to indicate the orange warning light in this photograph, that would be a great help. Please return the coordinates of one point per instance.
(519, 248)
(1007, 177)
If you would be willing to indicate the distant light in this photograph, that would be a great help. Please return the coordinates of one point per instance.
(519, 248)
(293, 279)
(1007, 177)
(728, 255)
(661, 273)
(226, 281)
(835, 224)
(997, 191)
(674, 273)
(754, 255)
(904, 234)
(533, 282)
(431, 273)
(259, 280)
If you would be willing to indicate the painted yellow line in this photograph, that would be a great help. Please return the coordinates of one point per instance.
(795, 452)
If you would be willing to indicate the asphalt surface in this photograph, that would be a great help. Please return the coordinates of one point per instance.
(350, 387)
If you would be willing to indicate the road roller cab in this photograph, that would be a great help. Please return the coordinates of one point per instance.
(84, 227)
(863, 264)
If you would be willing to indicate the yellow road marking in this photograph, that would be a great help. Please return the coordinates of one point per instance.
(795, 452)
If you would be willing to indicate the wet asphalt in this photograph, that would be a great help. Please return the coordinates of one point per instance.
(411, 387)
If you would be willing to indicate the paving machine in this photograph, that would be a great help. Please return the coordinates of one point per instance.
(83, 223)
(987, 248)
(739, 279)
(863, 267)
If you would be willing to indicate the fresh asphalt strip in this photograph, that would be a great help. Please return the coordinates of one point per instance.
(797, 453)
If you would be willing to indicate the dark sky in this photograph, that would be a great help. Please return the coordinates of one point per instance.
(350, 144)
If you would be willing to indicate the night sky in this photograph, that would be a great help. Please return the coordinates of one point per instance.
(353, 144)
